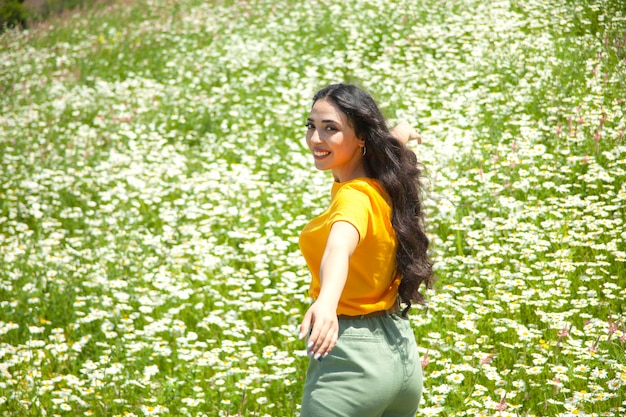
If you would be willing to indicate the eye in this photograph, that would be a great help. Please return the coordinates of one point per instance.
(309, 125)
(331, 128)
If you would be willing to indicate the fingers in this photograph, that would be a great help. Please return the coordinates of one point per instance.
(404, 132)
(323, 337)
(328, 344)
(416, 136)
(305, 326)
(321, 326)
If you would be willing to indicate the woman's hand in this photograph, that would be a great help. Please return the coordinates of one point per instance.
(404, 133)
(321, 321)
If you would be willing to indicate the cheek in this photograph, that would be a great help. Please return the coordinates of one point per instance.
(307, 138)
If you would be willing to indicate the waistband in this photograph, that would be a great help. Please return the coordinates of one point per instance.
(392, 310)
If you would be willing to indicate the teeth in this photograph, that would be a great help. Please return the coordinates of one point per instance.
(320, 153)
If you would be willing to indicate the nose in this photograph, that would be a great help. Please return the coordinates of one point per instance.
(314, 137)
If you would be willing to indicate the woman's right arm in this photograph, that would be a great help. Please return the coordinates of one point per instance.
(321, 318)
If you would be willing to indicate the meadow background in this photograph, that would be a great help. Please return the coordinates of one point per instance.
(154, 179)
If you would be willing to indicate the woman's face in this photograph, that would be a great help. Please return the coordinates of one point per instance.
(333, 143)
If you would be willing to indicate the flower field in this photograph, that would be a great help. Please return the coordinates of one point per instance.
(154, 179)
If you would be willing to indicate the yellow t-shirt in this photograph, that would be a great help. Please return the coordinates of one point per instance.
(372, 284)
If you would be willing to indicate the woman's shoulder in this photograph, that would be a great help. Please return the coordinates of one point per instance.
(369, 186)
(361, 183)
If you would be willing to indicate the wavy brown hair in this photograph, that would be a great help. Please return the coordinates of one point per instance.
(397, 169)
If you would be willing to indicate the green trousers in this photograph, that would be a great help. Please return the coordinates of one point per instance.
(373, 371)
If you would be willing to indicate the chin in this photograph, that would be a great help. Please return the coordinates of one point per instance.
(321, 167)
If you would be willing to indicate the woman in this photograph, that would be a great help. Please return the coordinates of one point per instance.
(366, 253)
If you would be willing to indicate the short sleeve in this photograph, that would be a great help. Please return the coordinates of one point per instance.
(353, 206)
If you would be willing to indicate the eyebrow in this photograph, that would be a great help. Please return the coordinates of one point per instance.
(323, 121)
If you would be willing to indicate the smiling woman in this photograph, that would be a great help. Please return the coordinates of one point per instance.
(366, 254)
(334, 131)
(333, 142)
(152, 194)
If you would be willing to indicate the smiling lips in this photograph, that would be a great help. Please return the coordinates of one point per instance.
(320, 154)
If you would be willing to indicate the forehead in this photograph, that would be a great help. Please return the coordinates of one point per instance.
(326, 110)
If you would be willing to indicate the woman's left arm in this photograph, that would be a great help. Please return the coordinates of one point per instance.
(404, 133)
(321, 318)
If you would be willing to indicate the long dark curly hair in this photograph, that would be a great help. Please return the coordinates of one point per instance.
(397, 169)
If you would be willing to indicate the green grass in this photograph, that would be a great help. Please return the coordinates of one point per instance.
(154, 180)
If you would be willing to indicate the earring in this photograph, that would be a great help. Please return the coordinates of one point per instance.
(363, 150)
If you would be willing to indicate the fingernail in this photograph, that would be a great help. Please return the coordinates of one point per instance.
(301, 336)
(309, 353)
(324, 355)
(317, 356)
(310, 345)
